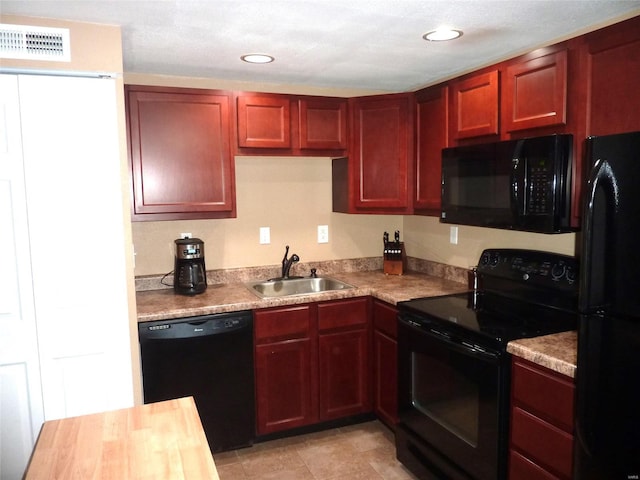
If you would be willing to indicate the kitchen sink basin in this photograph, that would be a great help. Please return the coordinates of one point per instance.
(295, 286)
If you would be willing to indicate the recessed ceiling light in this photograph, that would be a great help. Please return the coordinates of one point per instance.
(442, 34)
(257, 58)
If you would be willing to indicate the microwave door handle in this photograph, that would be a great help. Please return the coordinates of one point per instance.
(518, 169)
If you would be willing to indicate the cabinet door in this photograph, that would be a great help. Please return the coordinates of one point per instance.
(613, 76)
(431, 130)
(382, 146)
(179, 147)
(344, 374)
(535, 93)
(264, 121)
(284, 390)
(323, 123)
(475, 106)
(286, 385)
(343, 345)
(385, 371)
(385, 388)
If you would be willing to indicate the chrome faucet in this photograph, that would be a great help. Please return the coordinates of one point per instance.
(288, 262)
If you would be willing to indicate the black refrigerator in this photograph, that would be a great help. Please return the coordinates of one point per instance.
(607, 444)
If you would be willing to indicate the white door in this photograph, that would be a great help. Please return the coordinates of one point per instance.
(64, 320)
(74, 201)
(21, 410)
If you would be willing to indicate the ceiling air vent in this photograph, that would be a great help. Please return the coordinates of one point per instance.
(34, 43)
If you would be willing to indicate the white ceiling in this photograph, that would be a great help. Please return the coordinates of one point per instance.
(362, 44)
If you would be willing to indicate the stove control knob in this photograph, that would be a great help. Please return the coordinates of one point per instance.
(571, 275)
(558, 271)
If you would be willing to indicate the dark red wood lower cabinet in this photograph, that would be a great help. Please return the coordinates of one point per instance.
(312, 363)
(542, 405)
(385, 362)
(283, 386)
(344, 378)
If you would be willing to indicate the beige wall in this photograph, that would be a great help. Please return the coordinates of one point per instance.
(292, 196)
(94, 47)
(429, 239)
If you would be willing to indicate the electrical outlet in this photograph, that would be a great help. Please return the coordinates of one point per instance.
(323, 233)
(453, 235)
(265, 235)
(185, 235)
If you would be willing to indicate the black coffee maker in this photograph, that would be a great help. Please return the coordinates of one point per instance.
(189, 274)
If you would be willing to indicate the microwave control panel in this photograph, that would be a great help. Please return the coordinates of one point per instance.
(538, 187)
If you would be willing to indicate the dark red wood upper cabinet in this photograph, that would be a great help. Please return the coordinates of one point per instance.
(322, 123)
(264, 121)
(180, 153)
(432, 136)
(535, 92)
(613, 77)
(475, 105)
(381, 154)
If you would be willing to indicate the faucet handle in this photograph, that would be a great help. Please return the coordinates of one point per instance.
(313, 273)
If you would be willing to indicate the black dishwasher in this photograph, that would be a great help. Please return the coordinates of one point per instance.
(209, 357)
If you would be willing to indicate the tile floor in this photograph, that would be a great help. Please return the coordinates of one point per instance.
(357, 452)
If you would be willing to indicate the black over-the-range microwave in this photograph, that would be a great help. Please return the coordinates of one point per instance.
(520, 184)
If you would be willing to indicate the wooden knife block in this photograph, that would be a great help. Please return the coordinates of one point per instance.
(395, 262)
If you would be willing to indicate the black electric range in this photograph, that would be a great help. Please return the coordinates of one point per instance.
(491, 318)
(453, 368)
(519, 294)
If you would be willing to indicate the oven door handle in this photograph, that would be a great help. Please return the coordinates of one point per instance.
(463, 347)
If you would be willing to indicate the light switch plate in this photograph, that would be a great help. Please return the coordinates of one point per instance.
(453, 235)
(323, 233)
(265, 235)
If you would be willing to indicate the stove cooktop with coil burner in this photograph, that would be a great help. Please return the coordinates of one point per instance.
(520, 294)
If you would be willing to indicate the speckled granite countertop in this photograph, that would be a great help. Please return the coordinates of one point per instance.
(231, 297)
(557, 352)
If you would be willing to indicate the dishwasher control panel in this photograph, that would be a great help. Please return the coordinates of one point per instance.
(189, 327)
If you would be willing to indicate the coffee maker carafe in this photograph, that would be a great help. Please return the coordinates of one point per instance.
(189, 274)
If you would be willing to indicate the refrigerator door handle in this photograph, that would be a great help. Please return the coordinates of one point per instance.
(601, 182)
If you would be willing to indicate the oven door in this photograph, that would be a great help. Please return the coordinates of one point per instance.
(453, 405)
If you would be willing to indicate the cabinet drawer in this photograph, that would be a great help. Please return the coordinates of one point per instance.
(345, 313)
(385, 318)
(281, 323)
(545, 444)
(545, 393)
(521, 468)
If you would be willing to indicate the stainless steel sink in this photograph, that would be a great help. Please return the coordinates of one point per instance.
(295, 286)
